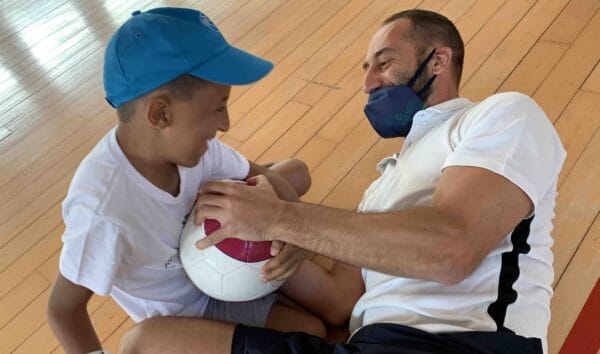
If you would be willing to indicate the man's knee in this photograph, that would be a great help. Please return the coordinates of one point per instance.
(316, 327)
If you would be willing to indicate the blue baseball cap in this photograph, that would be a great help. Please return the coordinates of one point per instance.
(157, 46)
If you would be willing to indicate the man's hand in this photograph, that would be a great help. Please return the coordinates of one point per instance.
(287, 258)
(245, 211)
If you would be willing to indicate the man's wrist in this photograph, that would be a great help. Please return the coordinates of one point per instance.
(279, 229)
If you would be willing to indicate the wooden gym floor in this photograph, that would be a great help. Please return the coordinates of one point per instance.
(52, 112)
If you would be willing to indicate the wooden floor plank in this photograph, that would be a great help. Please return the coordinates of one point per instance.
(20, 328)
(23, 294)
(247, 17)
(302, 33)
(251, 98)
(476, 18)
(571, 71)
(534, 68)
(14, 272)
(54, 71)
(571, 21)
(276, 27)
(592, 84)
(314, 63)
(492, 34)
(577, 205)
(502, 61)
(340, 162)
(301, 133)
(579, 275)
(348, 193)
(576, 127)
(16, 18)
(268, 134)
(27, 217)
(455, 9)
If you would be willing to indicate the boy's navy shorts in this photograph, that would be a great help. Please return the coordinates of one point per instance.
(382, 338)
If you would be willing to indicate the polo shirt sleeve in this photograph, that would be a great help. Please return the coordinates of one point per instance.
(92, 249)
(510, 135)
(225, 163)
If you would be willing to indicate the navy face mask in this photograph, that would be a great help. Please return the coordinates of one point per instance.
(390, 110)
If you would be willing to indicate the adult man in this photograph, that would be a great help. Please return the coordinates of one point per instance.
(453, 238)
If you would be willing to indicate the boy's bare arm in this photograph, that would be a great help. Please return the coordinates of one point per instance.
(283, 175)
(329, 294)
(68, 317)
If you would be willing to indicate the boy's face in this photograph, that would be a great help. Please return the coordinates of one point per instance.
(195, 121)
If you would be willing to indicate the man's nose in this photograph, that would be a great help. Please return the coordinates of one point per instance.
(371, 81)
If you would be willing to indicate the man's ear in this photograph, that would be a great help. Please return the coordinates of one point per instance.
(442, 60)
(158, 113)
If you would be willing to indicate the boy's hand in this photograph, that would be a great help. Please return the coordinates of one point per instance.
(287, 258)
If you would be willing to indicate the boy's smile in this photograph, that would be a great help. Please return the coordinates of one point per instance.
(195, 121)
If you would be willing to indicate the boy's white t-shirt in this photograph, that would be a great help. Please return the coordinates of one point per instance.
(122, 232)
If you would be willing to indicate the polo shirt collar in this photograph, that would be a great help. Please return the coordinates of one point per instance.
(425, 119)
(450, 105)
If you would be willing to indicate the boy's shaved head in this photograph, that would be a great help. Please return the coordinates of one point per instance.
(181, 88)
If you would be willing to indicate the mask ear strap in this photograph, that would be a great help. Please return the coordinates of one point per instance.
(426, 87)
(420, 69)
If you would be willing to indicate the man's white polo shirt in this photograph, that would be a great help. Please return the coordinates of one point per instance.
(509, 135)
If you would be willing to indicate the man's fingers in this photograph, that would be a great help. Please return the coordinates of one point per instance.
(212, 239)
(205, 211)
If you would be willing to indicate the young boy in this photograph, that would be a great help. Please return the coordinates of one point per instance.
(168, 73)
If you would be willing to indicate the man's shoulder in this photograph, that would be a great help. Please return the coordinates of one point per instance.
(507, 99)
(507, 108)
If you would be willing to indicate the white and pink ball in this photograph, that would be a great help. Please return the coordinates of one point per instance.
(228, 271)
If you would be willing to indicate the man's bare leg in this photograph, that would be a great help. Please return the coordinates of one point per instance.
(294, 319)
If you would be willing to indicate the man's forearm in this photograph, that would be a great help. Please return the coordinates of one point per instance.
(74, 331)
(415, 243)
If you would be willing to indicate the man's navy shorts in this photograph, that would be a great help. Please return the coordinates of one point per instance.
(382, 338)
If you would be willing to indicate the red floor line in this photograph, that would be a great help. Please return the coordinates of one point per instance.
(584, 337)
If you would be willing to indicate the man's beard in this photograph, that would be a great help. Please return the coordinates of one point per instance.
(402, 78)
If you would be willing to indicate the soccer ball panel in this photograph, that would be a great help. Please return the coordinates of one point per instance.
(217, 274)
(242, 285)
(206, 278)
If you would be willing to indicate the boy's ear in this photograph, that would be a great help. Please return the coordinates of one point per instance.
(158, 113)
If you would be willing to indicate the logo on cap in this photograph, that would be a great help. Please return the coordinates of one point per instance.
(207, 22)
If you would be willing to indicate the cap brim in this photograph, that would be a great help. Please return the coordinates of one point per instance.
(233, 67)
